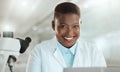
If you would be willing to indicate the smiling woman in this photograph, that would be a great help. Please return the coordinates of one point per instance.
(33, 18)
(65, 49)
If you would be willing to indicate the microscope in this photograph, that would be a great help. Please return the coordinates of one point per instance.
(10, 49)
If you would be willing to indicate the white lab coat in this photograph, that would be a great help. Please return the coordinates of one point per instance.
(46, 57)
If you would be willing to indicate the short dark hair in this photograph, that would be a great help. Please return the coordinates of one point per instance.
(66, 7)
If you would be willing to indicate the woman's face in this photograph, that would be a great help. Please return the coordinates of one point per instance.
(67, 28)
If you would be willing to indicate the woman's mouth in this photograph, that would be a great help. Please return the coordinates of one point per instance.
(68, 38)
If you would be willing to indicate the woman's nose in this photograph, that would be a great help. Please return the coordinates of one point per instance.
(69, 31)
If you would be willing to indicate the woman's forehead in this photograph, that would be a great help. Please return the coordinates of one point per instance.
(68, 17)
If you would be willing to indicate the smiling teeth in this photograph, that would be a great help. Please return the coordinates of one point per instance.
(68, 38)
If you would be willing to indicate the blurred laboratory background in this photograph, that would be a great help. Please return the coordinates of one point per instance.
(32, 18)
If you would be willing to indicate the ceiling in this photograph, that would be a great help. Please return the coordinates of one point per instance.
(100, 20)
(20, 16)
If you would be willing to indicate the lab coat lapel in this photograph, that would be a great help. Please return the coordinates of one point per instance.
(78, 60)
(58, 56)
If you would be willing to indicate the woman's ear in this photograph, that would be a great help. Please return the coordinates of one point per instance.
(53, 24)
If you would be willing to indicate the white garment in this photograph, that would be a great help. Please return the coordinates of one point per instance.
(46, 57)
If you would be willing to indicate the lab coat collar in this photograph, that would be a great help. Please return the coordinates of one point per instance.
(57, 54)
(78, 60)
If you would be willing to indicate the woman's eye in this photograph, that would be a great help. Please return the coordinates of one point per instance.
(62, 26)
(75, 26)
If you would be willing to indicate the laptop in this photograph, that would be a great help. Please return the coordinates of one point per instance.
(93, 69)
